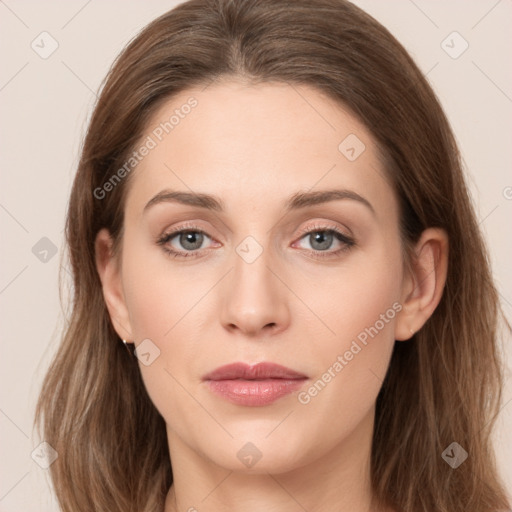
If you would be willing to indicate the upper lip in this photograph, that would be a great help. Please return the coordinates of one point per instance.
(259, 371)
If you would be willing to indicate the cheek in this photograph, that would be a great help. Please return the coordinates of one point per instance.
(166, 306)
(160, 303)
(158, 292)
(356, 295)
(359, 304)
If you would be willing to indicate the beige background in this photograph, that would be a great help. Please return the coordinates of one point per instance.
(45, 104)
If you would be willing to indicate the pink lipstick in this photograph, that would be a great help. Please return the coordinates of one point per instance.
(256, 385)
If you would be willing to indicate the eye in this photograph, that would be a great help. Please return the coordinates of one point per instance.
(321, 239)
(189, 241)
(184, 242)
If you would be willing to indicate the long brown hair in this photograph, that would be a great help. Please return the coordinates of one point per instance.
(442, 386)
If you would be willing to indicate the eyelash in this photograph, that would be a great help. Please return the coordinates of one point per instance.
(348, 242)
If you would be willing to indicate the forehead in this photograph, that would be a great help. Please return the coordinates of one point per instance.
(256, 143)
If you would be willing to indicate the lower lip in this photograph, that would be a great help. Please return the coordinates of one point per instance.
(254, 392)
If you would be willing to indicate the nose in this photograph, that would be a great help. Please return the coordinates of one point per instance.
(255, 298)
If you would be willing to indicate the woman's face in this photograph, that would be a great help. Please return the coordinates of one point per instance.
(262, 275)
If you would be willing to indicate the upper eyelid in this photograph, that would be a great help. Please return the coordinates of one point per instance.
(318, 225)
(325, 226)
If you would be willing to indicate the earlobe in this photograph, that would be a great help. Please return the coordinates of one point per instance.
(110, 276)
(423, 286)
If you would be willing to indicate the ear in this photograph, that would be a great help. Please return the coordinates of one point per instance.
(423, 285)
(109, 270)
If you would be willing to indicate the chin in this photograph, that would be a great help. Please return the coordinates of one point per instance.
(252, 454)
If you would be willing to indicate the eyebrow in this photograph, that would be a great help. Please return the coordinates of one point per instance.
(297, 201)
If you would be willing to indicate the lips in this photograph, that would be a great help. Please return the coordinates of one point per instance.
(260, 371)
(256, 385)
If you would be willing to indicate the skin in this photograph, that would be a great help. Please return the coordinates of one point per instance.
(253, 147)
